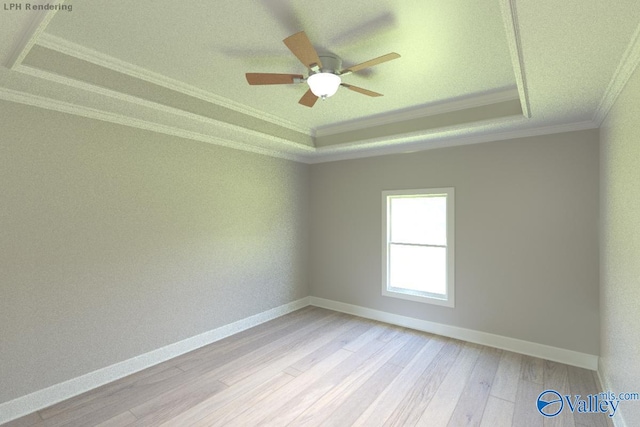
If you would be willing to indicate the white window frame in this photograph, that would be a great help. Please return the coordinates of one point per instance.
(447, 300)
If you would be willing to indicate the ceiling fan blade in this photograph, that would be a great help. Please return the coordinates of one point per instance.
(371, 62)
(308, 99)
(300, 45)
(272, 79)
(361, 90)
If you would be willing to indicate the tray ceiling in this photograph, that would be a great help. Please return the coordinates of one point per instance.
(468, 72)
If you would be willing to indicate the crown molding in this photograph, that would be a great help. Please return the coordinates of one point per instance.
(413, 141)
(34, 72)
(86, 54)
(417, 142)
(92, 113)
(31, 35)
(450, 138)
(628, 64)
(501, 95)
(512, 29)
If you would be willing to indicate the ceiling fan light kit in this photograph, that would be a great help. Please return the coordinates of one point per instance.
(324, 71)
(324, 85)
(325, 81)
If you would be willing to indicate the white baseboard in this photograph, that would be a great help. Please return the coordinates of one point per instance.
(46, 397)
(561, 355)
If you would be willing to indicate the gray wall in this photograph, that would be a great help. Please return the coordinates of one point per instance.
(116, 241)
(620, 253)
(526, 235)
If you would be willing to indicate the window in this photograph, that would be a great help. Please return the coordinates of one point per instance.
(418, 243)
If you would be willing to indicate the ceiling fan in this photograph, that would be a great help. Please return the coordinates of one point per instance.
(325, 71)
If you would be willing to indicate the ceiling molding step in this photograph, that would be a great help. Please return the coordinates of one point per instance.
(462, 122)
(424, 111)
(439, 140)
(31, 35)
(86, 54)
(92, 113)
(628, 64)
(512, 29)
(34, 72)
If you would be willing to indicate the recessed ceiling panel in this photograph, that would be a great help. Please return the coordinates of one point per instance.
(448, 49)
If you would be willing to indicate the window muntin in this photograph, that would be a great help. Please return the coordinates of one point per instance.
(418, 245)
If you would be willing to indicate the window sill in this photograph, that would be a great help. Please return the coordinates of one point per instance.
(419, 297)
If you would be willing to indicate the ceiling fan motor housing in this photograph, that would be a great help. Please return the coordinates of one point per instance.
(330, 64)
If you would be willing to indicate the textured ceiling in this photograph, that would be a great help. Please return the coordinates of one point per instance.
(468, 71)
(212, 48)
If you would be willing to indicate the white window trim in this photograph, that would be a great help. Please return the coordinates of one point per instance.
(424, 297)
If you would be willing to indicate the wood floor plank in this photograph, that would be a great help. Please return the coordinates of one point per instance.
(441, 406)
(255, 409)
(556, 378)
(360, 363)
(468, 411)
(532, 369)
(246, 412)
(266, 354)
(343, 404)
(609, 423)
(525, 412)
(390, 332)
(379, 331)
(292, 371)
(124, 419)
(348, 409)
(402, 386)
(505, 384)
(497, 413)
(408, 352)
(229, 402)
(409, 410)
(176, 401)
(354, 330)
(240, 389)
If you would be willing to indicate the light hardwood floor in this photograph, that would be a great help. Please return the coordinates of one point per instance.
(315, 367)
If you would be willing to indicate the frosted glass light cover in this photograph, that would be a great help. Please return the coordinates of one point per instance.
(324, 85)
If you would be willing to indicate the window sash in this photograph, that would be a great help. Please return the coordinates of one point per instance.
(418, 269)
(427, 213)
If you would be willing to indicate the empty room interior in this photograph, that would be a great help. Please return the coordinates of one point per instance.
(341, 213)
